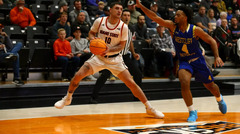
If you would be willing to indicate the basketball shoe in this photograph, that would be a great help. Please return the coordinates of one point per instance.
(63, 102)
(192, 116)
(155, 113)
(222, 106)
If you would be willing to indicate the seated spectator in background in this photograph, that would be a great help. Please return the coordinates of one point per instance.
(212, 20)
(214, 6)
(222, 6)
(21, 15)
(223, 15)
(141, 31)
(100, 9)
(62, 23)
(1, 2)
(105, 11)
(164, 50)
(9, 53)
(202, 20)
(63, 7)
(80, 48)
(133, 11)
(77, 9)
(224, 40)
(229, 14)
(150, 23)
(63, 54)
(166, 8)
(235, 6)
(84, 26)
(235, 30)
(235, 33)
(92, 6)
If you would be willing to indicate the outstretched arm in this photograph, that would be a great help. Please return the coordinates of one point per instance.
(166, 23)
(209, 40)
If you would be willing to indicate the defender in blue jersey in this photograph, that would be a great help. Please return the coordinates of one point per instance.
(191, 62)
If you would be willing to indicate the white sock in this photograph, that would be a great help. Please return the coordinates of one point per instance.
(148, 105)
(219, 98)
(190, 108)
(69, 95)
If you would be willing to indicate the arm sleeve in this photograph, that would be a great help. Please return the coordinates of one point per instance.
(14, 16)
(56, 49)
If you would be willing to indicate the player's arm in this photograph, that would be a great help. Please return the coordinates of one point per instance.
(118, 47)
(91, 35)
(166, 23)
(209, 40)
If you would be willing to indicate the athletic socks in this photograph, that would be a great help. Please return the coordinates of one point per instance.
(69, 95)
(219, 98)
(148, 105)
(190, 108)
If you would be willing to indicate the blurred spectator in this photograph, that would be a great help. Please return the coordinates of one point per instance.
(63, 54)
(106, 11)
(84, 26)
(235, 6)
(150, 23)
(223, 15)
(229, 14)
(222, 6)
(206, 4)
(92, 6)
(62, 23)
(63, 7)
(1, 2)
(224, 39)
(141, 31)
(214, 6)
(78, 8)
(9, 53)
(100, 9)
(235, 32)
(133, 11)
(202, 20)
(80, 49)
(164, 50)
(212, 20)
(21, 15)
(166, 8)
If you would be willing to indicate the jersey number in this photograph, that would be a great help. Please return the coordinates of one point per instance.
(108, 40)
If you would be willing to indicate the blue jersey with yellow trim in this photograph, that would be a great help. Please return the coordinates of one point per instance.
(186, 44)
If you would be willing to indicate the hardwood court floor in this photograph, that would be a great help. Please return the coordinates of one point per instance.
(118, 118)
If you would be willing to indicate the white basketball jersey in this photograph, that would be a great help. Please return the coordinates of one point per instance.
(111, 34)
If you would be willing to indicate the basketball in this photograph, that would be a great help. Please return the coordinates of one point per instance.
(97, 46)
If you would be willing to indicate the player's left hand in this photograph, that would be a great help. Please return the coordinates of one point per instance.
(105, 52)
(218, 62)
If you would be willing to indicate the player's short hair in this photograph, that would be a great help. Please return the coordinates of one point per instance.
(60, 30)
(187, 11)
(115, 3)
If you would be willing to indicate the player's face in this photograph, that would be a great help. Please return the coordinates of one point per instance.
(180, 17)
(126, 17)
(116, 11)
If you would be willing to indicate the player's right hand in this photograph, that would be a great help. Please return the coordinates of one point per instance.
(138, 3)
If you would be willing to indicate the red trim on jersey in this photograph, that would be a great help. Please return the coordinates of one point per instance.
(100, 24)
(114, 27)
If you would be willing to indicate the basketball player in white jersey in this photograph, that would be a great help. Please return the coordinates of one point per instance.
(115, 33)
